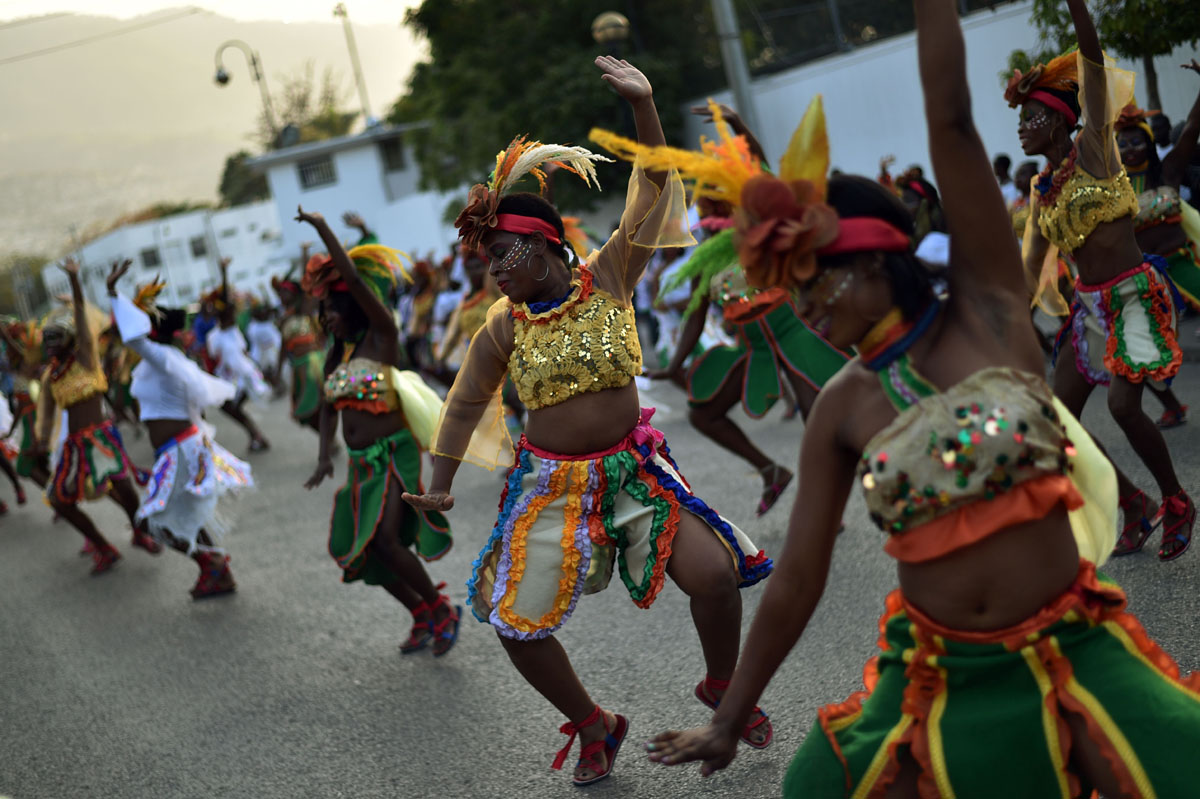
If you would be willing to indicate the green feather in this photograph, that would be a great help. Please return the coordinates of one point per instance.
(709, 259)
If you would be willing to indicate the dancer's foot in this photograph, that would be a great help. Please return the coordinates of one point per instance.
(1141, 518)
(143, 540)
(104, 559)
(1179, 516)
(259, 444)
(758, 731)
(600, 737)
(88, 547)
(775, 481)
(446, 618)
(20, 496)
(215, 577)
(1171, 419)
(422, 630)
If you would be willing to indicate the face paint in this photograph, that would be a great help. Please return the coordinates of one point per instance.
(514, 257)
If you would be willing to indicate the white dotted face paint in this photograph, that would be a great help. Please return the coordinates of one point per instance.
(1034, 121)
(514, 257)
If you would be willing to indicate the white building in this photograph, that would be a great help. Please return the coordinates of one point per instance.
(874, 105)
(184, 251)
(372, 173)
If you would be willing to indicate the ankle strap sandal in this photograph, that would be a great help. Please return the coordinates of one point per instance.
(609, 745)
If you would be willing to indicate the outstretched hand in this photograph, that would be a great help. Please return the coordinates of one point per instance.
(224, 262)
(712, 745)
(729, 115)
(1194, 66)
(313, 218)
(434, 500)
(353, 220)
(625, 78)
(324, 469)
(70, 266)
(116, 272)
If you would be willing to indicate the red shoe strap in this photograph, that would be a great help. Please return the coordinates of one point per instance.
(714, 684)
(1177, 504)
(572, 729)
(1126, 502)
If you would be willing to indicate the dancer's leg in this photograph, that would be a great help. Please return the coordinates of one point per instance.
(411, 578)
(235, 412)
(1125, 405)
(81, 522)
(11, 472)
(806, 395)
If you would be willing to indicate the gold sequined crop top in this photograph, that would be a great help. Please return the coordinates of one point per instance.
(362, 384)
(587, 343)
(1157, 206)
(75, 383)
(1083, 203)
(979, 439)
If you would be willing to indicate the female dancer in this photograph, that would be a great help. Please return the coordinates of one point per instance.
(372, 529)
(593, 482)
(1122, 320)
(1165, 225)
(191, 470)
(773, 343)
(226, 345)
(24, 351)
(471, 312)
(91, 460)
(1009, 668)
(303, 345)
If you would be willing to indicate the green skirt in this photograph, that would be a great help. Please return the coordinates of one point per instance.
(1183, 266)
(776, 341)
(308, 374)
(25, 461)
(983, 713)
(358, 509)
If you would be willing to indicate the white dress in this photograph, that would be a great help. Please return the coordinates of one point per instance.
(228, 347)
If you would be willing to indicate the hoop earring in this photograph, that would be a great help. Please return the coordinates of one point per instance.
(545, 274)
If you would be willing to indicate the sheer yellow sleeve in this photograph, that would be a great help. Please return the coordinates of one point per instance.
(1095, 524)
(652, 219)
(471, 426)
(1040, 259)
(1104, 89)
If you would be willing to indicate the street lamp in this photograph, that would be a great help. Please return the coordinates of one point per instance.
(610, 29)
(340, 11)
(222, 77)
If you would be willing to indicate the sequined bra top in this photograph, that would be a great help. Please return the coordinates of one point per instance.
(298, 330)
(362, 384)
(586, 343)
(738, 300)
(74, 384)
(977, 440)
(1157, 206)
(1082, 203)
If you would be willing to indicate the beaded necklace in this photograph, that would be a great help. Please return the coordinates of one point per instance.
(59, 368)
(1050, 180)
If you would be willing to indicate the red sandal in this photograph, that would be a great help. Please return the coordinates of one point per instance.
(1133, 536)
(215, 577)
(422, 631)
(445, 632)
(706, 691)
(609, 745)
(145, 541)
(103, 559)
(772, 493)
(1181, 506)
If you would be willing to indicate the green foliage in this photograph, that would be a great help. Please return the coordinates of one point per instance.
(500, 68)
(22, 292)
(240, 184)
(314, 108)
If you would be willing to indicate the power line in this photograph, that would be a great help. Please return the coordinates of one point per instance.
(99, 36)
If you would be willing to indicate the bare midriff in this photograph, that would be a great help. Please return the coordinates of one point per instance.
(1110, 250)
(88, 413)
(361, 429)
(585, 423)
(1162, 239)
(163, 430)
(995, 583)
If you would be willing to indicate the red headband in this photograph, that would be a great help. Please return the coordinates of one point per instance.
(1050, 101)
(866, 233)
(524, 225)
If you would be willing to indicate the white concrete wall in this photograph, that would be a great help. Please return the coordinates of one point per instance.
(873, 101)
(249, 234)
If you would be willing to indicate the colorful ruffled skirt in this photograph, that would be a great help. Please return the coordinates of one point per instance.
(191, 473)
(359, 505)
(1183, 266)
(1125, 326)
(982, 713)
(778, 340)
(88, 463)
(566, 522)
(308, 375)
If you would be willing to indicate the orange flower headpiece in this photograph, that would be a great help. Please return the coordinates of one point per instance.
(379, 267)
(519, 159)
(146, 297)
(1042, 81)
(1134, 117)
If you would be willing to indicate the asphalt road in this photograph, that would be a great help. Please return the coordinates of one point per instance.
(121, 686)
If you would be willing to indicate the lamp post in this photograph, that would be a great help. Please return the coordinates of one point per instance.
(610, 29)
(340, 11)
(734, 57)
(222, 77)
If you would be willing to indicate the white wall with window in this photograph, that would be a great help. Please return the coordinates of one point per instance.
(184, 250)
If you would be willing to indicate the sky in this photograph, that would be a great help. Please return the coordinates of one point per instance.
(364, 12)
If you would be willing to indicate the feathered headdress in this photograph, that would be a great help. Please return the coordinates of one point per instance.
(27, 339)
(379, 267)
(1060, 75)
(215, 297)
(576, 236)
(146, 297)
(519, 159)
(1133, 117)
(780, 222)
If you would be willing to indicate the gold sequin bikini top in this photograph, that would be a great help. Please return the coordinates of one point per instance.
(1083, 203)
(362, 384)
(1157, 206)
(976, 440)
(587, 343)
(75, 384)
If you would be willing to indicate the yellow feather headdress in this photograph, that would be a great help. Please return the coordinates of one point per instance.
(146, 297)
(519, 159)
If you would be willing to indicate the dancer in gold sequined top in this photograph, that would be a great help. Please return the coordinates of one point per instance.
(594, 491)
(1121, 326)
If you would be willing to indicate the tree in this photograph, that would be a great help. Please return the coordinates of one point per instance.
(315, 110)
(22, 292)
(499, 68)
(1135, 29)
(239, 183)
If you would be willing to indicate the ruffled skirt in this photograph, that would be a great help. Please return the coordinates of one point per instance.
(191, 473)
(88, 463)
(983, 713)
(566, 522)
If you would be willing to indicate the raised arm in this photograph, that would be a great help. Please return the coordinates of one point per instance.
(986, 256)
(737, 125)
(223, 265)
(85, 345)
(629, 82)
(378, 314)
(355, 221)
(1175, 165)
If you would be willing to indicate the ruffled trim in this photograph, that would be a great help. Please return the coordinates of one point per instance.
(76, 477)
(508, 498)
(1078, 325)
(1155, 300)
(647, 489)
(581, 290)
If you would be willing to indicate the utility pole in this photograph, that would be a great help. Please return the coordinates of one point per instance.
(340, 11)
(734, 56)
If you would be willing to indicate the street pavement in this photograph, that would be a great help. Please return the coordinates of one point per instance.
(121, 686)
